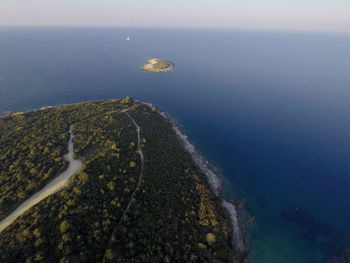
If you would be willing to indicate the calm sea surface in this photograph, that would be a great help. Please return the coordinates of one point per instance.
(270, 109)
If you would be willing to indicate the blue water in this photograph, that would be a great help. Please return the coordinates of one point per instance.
(270, 109)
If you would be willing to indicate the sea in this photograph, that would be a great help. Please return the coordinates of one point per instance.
(270, 109)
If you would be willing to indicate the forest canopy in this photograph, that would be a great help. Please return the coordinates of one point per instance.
(107, 213)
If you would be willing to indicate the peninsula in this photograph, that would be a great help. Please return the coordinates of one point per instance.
(140, 192)
(158, 65)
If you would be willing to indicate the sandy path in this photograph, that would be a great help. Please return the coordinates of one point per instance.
(139, 151)
(55, 185)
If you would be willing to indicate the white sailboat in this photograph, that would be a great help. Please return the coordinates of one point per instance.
(128, 38)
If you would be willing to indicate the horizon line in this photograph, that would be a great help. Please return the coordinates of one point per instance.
(262, 29)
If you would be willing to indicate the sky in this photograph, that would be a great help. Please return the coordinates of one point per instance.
(319, 15)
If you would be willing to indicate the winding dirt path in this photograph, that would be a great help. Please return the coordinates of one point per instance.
(54, 186)
(139, 151)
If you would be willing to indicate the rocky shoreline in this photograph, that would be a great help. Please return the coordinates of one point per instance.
(216, 184)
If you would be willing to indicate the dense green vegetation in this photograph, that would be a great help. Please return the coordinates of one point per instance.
(30, 154)
(174, 216)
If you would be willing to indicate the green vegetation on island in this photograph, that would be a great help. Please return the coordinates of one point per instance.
(107, 212)
(158, 65)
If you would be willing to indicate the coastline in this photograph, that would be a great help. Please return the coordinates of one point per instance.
(8, 113)
(4, 114)
(214, 180)
(216, 183)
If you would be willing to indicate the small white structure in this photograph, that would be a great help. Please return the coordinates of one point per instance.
(128, 38)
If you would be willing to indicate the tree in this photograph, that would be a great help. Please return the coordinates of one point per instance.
(37, 233)
(110, 185)
(83, 177)
(110, 255)
(64, 226)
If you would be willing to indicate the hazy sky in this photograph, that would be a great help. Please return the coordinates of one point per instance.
(329, 15)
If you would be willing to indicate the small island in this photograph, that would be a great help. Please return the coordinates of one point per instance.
(158, 65)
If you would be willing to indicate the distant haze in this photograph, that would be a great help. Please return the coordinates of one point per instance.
(324, 15)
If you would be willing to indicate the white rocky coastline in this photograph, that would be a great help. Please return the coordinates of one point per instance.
(214, 180)
(7, 113)
(216, 184)
(237, 232)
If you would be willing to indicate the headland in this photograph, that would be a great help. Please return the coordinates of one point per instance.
(140, 175)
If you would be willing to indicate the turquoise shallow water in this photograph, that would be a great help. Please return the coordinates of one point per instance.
(269, 109)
